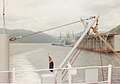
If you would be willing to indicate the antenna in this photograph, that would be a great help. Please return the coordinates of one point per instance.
(4, 22)
(4, 30)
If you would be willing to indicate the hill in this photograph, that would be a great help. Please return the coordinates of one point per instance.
(37, 38)
(116, 30)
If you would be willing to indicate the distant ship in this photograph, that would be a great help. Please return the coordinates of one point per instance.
(66, 41)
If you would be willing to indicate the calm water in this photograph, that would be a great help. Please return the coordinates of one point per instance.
(37, 53)
(34, 56)
(30, 56)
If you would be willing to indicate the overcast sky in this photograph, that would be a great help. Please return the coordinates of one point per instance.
(38, 15)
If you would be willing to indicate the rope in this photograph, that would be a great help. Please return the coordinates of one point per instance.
(112, 58)
(15, 38)
(108, 44)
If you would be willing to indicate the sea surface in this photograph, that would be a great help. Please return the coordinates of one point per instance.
(32, 56)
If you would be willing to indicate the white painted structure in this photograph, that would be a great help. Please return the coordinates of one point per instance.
(91, 75)
(48, 79)
(117, 42)
(51, 79)
(4, 58)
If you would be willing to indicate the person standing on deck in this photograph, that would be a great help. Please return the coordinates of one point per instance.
(51, 64)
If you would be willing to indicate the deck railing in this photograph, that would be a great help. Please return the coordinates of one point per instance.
(108, 81)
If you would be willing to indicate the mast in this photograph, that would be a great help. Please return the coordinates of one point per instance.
(4, 21)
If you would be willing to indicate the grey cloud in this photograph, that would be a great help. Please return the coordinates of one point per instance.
(40, 14)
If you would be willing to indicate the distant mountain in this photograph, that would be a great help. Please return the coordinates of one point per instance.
(37, 38)
(116, 30)
(79, 34)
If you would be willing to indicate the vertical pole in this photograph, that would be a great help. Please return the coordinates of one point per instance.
(109, 74)
(4, 58)
(14, 75)
(76, 44)
(70, 77)
(69, 73)
(4, 22)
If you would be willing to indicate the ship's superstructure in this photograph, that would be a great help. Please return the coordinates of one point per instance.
(94, 43)
(66, 41)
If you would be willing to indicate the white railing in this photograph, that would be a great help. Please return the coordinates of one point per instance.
(108, 81)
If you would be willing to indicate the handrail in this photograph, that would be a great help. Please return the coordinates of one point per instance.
(14, 71)
(116, 67)
(37, 70)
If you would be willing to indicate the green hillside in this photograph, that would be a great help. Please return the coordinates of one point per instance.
(116, 30)
(37, 38)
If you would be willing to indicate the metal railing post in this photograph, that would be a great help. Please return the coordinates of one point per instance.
(109, 73)
(69, 77)
(14, 72)
(69, 73)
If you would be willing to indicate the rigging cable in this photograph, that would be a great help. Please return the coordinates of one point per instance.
(101, 38)
(20, 37)
(110, 56)
(108, 44)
